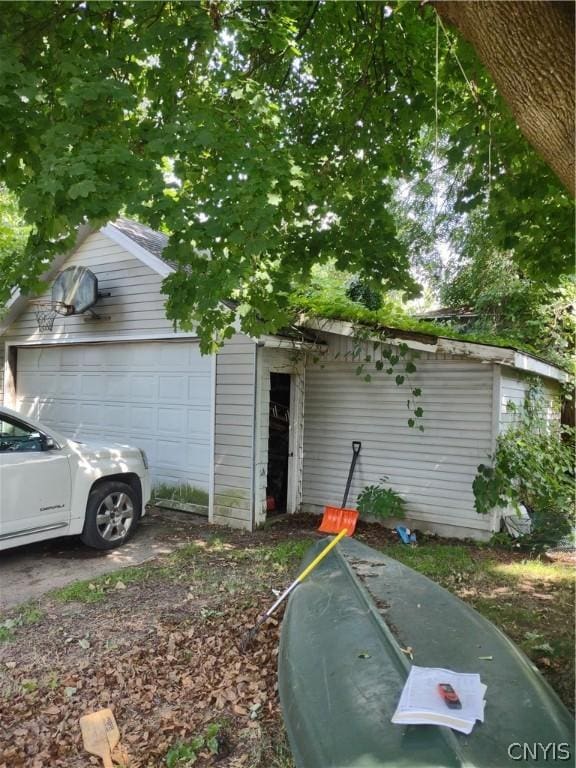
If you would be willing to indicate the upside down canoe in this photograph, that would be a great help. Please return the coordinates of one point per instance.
(341, 671)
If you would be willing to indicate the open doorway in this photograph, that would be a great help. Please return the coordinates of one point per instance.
(278, 443)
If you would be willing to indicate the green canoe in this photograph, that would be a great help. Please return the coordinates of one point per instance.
(341, 671)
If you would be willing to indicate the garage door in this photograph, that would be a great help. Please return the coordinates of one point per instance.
(155, 395)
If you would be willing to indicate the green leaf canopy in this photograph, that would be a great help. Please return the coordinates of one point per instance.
(264, 137)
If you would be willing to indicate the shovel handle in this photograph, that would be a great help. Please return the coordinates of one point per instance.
(300, 578)
(322, 555)
(356, 445)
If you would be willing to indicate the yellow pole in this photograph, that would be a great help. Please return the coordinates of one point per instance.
(322, 555)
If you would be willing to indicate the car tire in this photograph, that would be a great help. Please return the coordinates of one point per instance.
(112, 514)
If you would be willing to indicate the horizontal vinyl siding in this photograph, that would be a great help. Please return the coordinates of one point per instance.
(234, 433)
(433, 470)
(135, 305)
(513, 388)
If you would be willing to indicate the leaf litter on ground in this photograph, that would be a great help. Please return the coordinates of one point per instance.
(163, 652)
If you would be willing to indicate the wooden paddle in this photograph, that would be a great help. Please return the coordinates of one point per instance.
(100, 734)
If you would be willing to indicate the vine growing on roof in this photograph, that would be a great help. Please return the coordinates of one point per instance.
(395, 361)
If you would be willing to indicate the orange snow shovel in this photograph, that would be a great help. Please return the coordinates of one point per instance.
(336, 519)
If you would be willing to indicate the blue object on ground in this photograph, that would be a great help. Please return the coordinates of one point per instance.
(404, 534)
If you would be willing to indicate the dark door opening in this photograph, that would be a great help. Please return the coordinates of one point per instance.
(278, 443)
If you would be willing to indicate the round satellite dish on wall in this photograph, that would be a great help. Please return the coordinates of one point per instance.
(74, 291)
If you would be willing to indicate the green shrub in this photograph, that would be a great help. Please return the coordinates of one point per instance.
(532, 466)
(381, 502)
(361, 292)
(185, 754)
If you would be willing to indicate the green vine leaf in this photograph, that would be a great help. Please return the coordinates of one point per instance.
(399, 380)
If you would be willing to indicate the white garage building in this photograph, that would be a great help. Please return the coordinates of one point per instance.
(260, 420)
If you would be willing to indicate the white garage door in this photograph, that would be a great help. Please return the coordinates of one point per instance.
(155, 395)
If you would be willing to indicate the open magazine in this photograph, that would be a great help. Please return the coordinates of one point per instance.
(424, 700)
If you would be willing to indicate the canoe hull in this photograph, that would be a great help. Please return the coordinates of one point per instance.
(341, 671)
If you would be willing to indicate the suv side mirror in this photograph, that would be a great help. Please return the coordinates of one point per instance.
(48, 444)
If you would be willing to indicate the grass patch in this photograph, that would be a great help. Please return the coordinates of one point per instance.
(187, 552)
(29, 614)
(185, 494)
(279, 558)
(268, 748)
(288, 553)
(535, 570)
(438, 562)
(94, 590)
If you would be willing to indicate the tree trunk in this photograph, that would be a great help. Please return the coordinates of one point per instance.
(528, 48)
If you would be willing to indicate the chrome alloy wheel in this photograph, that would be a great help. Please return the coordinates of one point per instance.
(115, 516)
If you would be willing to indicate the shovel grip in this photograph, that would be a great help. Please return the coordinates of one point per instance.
(356, 445)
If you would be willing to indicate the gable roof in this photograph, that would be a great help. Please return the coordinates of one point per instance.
(141, 241)
(151, 240)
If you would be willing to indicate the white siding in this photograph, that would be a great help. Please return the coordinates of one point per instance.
(135, 306)
(513, 388)
(93, 389)
(433, 470)
(234, 433)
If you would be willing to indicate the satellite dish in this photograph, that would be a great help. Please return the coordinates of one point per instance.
(74, 291)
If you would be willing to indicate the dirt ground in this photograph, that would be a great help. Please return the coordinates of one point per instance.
(160, 645)
(28, 572)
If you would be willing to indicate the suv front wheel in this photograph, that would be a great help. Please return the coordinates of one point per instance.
(112, 514)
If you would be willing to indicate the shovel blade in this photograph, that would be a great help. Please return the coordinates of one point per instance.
(100, 733)
(336, 519)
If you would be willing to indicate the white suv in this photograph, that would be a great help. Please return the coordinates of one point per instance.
(52, 486)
